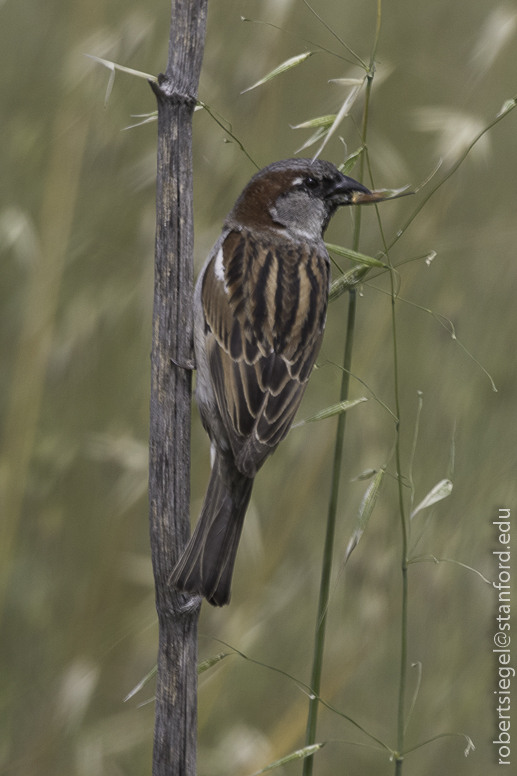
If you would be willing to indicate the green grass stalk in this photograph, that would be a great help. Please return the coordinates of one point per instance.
(326, 571)
(405, 539)
(401, 724)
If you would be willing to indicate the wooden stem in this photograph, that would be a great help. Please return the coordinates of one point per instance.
(169, 442)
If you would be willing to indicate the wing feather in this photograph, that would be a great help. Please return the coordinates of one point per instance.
(265, 318)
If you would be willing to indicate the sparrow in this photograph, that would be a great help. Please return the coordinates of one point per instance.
(260, 305)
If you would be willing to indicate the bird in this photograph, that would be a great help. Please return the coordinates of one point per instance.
(260, 306)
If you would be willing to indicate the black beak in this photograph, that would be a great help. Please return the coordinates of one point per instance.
(347, 191)
(344, 189)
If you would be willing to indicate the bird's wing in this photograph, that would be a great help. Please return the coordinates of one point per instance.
(265, 308)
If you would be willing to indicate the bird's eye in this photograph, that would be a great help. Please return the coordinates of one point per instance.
(311, 183)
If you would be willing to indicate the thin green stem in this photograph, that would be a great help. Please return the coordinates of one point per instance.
(321, 622)
(228, 131)
(319, 640)
(295, 35)
(308, 690)
(403, 521)
(332, 32)
(404, 565)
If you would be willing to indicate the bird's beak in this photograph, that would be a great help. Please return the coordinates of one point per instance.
(345, 188)
(348, 191)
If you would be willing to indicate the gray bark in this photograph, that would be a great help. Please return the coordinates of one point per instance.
(169, 444)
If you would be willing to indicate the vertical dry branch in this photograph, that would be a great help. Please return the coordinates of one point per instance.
(169, 443)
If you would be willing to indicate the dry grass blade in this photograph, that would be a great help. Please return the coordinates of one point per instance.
(350, 162)
(348, 253)
(300, 754)
(347, 281)
(365, 511)
(440, 491)
(342, 114)
(129, 70)
(287, 65)
(329, 412)
(141, 683)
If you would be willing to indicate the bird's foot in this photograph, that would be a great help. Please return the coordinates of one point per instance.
(188, 365)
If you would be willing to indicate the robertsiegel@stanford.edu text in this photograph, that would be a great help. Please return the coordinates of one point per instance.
(505, 672)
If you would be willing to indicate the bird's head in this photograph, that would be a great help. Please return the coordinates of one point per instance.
(298, 196)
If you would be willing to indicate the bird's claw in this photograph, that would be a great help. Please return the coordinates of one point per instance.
(188, 365)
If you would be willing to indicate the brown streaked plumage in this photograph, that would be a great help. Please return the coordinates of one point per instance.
(263, 349)
(260, 307)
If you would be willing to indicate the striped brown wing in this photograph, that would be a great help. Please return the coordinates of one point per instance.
(265, 308)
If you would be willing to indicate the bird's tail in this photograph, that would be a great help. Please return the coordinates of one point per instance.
(206, 566)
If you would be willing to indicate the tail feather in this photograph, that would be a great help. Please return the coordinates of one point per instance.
(206, 566)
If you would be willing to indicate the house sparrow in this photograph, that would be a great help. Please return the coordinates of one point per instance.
(260, 306)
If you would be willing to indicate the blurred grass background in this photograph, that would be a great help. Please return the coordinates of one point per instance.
(76, 237)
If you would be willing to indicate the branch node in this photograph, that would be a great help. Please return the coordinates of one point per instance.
(165, 91)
